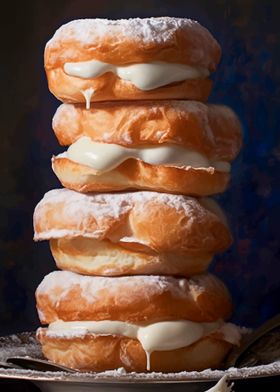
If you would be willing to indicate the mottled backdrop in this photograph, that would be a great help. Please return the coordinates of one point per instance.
(247, 79)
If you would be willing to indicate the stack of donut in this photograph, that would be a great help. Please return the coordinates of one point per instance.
(134, 231)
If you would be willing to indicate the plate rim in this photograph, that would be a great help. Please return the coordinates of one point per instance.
(38, 376)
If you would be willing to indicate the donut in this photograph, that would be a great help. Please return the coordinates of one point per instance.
(100, 323)
(137, 232)
(89, 60)
(182, 147)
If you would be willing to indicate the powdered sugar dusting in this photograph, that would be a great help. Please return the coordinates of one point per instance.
(80, 209)
(58, 284)
(79, 206)
(21, 345)
(112, 204)
(147, 30)
(148, 34)
(120, 375)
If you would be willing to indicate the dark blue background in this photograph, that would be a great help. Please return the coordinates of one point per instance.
(247, 80)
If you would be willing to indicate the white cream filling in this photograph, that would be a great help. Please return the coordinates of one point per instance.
(104, 157)
(159, 336)
(145, 76)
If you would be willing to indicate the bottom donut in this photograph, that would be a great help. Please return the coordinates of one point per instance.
(141, 323)
(100, 353)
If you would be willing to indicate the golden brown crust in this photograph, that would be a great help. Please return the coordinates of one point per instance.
(110, 87)
(212, 130)
(135, 174)
(66, 296)
(183, 225)
(100, 353)
(90, 257)
(175, 40)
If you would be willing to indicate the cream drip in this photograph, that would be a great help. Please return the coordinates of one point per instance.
(104, 156)
(145, 76)
(88, 93)
(160, 336)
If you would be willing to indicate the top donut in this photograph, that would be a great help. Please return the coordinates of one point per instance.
(152, 58)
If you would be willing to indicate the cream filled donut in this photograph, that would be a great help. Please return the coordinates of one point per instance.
(180, 147)
(138, 322)
(153, 58)
(131, 233)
